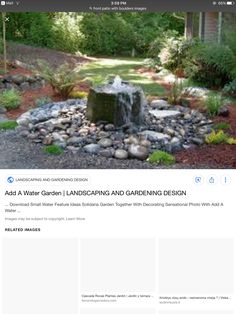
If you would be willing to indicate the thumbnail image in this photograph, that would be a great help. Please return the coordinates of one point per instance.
(117, 90)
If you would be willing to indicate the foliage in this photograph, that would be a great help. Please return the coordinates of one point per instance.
(160, 42)
(155, 47)
(175, 52)
(78, 94)
(107, 34)
(216, 137)
(152, 63)
(213, 103)
(230, 88)
(212, 64)
(67, 35)
(229, 37)
(231, 141)
(34, 28)
(222, 126)
(219, 138)
(95, 34)
(63, 79)
(176, 92)
(123, 34)
(8, 125)
(53, 149)
(43, 101)
(150, 29)
(10, 99)
(161, 157)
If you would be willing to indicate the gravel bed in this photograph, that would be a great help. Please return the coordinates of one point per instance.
(20, 153)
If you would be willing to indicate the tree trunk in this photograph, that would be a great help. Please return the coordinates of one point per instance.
(189, 25)
(4, 41)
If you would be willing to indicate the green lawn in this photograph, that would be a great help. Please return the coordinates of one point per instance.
(100, 71)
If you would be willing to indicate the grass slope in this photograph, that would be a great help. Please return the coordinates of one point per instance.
(100, 71)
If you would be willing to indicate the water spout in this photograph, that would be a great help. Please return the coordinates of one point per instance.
(117, 84)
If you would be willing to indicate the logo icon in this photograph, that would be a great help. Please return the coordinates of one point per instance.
(10, 179)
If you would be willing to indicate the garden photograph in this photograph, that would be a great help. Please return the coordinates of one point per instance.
(117, 90)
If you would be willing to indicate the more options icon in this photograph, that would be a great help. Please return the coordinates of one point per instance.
(225, 180)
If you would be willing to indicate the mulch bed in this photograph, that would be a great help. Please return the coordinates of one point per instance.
(30, 55)
(29, 97)
(220, 156)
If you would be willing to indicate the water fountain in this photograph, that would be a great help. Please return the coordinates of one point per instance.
(118, 102)
(139, 130)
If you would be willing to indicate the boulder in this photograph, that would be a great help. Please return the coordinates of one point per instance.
(118, 106)
(138, 151)
(92, 149)
(121, 154)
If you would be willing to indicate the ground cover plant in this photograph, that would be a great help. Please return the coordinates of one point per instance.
(10, 99)
(8, 125)
(53, 149)
(213, 103)
(160, 157)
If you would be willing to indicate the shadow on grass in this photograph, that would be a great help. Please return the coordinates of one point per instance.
(99, 72)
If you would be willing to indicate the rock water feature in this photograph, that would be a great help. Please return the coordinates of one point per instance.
(124, 126)
(118, 103)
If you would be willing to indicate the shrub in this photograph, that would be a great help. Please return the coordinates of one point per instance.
(43, 101)
(213, 103)
(66, 32)
(161, 157)
(222, 126)
(53, 149)
(107, 34)
(155, 47)
(176, 92)
(212, 64)
(217, 137)
(152, 63)
(10, 99)
(231, 141)
(63, 79)
(175, 53)
(8, 125)
(230, 88)
(34, 28)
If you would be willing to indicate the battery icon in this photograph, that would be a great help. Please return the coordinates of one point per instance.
(230, 2)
